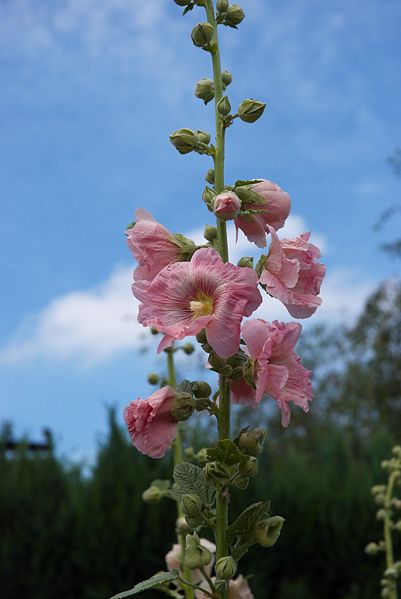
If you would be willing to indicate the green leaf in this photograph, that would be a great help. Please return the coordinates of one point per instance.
(227, 452)
(191, 479)
(239, 183)
(242, 529)
(156, 580)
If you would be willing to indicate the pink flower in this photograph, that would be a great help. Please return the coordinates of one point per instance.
(150, 424)
(292, 275)
(273, 210)
(278, 369)
(173, 560)
(226, 205)
(152, 246)
(237, 589)
(205, 293)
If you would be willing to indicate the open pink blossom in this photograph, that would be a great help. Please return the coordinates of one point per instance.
(173, 560)
(273, 210)
(292, 275)
(150, 424)
(151, 244)
(226, 205)
(237, 589)
(278, 369)
(205, 293)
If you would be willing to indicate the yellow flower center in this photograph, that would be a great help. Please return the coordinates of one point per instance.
(201, 306)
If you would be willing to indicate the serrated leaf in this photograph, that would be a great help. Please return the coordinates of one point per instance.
(246, 521)
(191, 479)
(154, 581)
(227, 452)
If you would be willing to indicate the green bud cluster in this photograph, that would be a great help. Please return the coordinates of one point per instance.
(196, 556)
(204, 90)
(202, 36)
(251, 441)
(183, 406)
(186, 140)
(230, 15)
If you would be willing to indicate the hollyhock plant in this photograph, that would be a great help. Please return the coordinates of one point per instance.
(152, 245)
(226, 205)
(271, 209)
(237, 589)
(291, 274)
(150, 424)
(205, 293)
(278, 369)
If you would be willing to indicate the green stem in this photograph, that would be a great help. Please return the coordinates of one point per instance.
(224, 391)
(388, 540)
(178, 457)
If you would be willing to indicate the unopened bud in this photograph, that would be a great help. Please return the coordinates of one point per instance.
(188, 349)
(153, 378)
(241, 482)
(203, 137)
(249, 468)
(208, 196)
(222, 5)
(154, 331)
(210, 176)
(184, 140)
(226, 77)
(224, 106)
(202, 389)
(251, 441)
(226, 567)
(202, 34)
(152, 495)
(217, 471)
(397, 450)
(196, 556)
(234, 15)
(268, 531)
(372, 549)
(250, 110)
(378, 489)
(204, 90)
(201, 456)
(380, 499)
(391, 573)
(181, 527)
(381, 514)
(215, 361)
(182, 407)
(246, 261)
(191, 505)
(397, 526)
(210, 233)
(395, 502)
(226, 205)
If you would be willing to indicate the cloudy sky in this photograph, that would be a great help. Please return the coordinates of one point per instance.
(91, 89)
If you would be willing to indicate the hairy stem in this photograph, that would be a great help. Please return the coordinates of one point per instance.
(177, 451)
(388, 540)
(224, 392)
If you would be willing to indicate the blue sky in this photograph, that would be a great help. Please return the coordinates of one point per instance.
(91, 89)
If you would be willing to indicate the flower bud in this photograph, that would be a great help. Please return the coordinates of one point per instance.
(215, 361)
(153, 378)
(152, 495)
(188, 349)
(380, 514)
(204, 90)
(189, 452)
(224, 106)
(241, 482)
(210, 233)
(210, 176)
(226, 205)
(245, 261)
(249, 468)
(154, 331)
(397, 526)
(396, 503)
(202, 34)
(203, 137)
(234, 15)
(222, 5)
(191, 505)
(391, 573)
(378, 489)
(226, 78)
(181, 526)
(380, 499)
(208, 196)
(226, 567)
(201, 456)
(218, 471)
(182, 2)
(250, 110)
(268, 531)
(372, 549)
(251, 441)
(184, 140)
(182, 407)
(196, 556)
(202, 389)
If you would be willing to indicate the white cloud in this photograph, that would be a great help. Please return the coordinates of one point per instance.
(95, 325)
